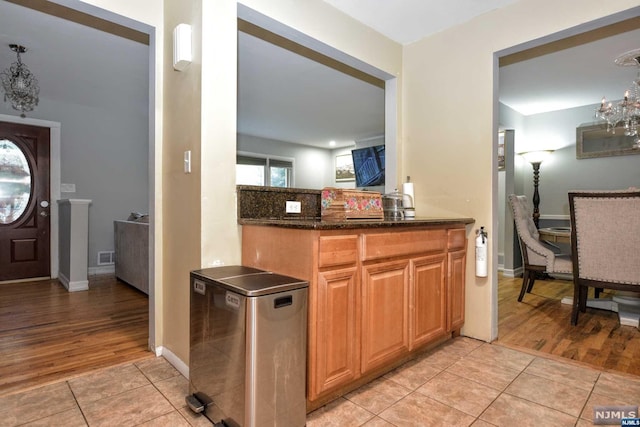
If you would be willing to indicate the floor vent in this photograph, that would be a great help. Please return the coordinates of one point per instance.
(106, 257)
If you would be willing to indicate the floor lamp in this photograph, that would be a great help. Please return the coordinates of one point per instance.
(535, 158)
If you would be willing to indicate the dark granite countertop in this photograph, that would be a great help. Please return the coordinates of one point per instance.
(264, 206)
(318, 224)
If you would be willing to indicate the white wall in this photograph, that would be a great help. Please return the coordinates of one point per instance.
(562, 171)
(312, 167)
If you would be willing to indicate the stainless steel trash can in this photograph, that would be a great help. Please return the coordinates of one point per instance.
(248, 334)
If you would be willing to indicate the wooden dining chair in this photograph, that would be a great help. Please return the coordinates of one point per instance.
(538, 258)
(605, 243)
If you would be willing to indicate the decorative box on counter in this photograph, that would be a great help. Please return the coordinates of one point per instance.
(339, 204)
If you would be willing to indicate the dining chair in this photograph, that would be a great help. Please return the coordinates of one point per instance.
(605, 242)
(537, 256)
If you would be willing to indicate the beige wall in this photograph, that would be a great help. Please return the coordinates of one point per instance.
(449, 123)
(146, 11)
(181, 191)
(199, 212)
(448, 153)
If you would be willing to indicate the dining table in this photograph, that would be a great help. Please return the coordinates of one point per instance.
(620, 303)
(555, 234)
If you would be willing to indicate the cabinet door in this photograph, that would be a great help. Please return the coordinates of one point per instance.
(455, 289)
(385, 312)
(428, 299)
(336, 351)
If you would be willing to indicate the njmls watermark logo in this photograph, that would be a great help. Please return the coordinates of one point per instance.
(616, 415)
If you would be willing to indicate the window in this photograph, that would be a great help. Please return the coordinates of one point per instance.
(15, 182)
(264, 171)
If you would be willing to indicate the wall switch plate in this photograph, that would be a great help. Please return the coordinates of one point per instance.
(187, 161)
(293, 207)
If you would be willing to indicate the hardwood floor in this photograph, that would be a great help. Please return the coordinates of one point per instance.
(48, 334)
(541, 323)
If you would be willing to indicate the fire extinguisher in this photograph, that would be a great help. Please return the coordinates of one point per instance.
(481, 253)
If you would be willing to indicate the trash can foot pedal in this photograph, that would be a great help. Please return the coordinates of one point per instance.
(194, 404)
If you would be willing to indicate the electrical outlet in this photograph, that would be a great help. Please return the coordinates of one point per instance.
(293, 207)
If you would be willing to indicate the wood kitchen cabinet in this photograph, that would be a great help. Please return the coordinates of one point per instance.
(429, 299)
(385, 313)
(455, 289)
(376, 295)
(336, 352)
(456, 263)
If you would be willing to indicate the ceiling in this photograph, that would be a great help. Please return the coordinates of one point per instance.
(569, 78)
(74, 63)
(285, 97)
(407, 21)
(288, 97)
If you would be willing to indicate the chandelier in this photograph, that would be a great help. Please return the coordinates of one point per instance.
(626, 112)
(20, 87)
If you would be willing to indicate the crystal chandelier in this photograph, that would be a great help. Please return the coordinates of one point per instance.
(626, 112)
(20, 87)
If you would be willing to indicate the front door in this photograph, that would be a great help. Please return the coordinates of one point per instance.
(24, 202)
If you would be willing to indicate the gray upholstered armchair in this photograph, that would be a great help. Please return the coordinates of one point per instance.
(537, 256)
(605, 243)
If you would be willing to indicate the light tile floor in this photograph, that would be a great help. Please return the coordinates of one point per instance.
(463, 382)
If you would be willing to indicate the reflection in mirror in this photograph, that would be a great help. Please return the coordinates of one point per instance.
(15, 182)
(256, 169)
(290, 107)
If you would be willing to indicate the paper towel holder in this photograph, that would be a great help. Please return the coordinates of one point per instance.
(408, 194)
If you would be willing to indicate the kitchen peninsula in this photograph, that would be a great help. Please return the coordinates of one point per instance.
(379, 291)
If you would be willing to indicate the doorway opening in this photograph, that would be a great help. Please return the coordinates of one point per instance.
(78, 16)
(564, 172)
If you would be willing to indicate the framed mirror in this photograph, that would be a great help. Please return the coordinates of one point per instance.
(593, 140)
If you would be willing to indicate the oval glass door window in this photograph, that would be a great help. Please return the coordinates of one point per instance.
(15, 182)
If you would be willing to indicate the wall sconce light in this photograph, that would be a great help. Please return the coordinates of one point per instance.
(182, 55)
(535, 158)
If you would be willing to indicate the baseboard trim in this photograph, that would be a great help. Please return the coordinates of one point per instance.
(103, 269)
(75, 286)
(516, 272)
(174, 360)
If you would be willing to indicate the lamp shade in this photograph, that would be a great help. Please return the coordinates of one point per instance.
(536, 156)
